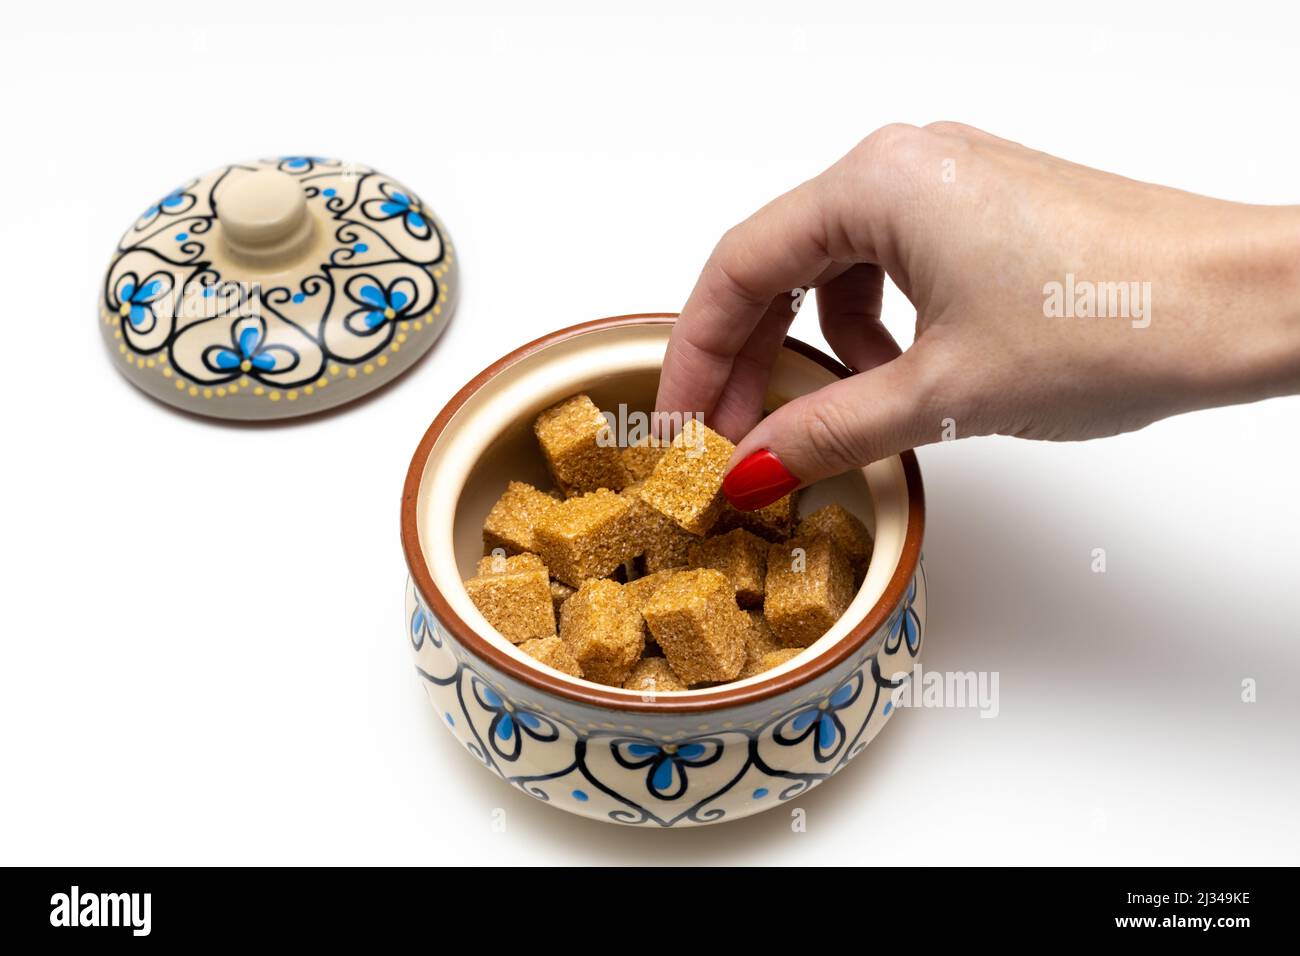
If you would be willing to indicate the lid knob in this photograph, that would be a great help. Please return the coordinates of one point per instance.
(264, 217)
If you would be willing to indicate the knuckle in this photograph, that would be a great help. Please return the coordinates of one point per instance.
(729, 240)
(734, 286)
(724, 250)
(726, 264)
(892, 134)
(948, 128)
(829, 438)
(890, 149)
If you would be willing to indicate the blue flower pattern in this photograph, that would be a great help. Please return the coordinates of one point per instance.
(250, 353)
(666, 764)
(387, 305)
(377, 303)
(821, 723)
(423, 628)
(247, 355)
(510, 725)
(137, 301)
(906, 625)
(398, 204)
(403, 205)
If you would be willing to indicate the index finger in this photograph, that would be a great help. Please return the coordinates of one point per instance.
(788, 243)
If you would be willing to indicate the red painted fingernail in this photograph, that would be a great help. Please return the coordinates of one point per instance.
(757, 481)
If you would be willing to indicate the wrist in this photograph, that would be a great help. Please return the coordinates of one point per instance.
(1251, 307)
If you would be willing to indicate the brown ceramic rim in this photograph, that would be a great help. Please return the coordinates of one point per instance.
(845, 648)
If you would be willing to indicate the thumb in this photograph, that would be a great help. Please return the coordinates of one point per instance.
(858, 420)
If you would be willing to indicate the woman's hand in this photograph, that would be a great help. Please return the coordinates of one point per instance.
(1004, 252)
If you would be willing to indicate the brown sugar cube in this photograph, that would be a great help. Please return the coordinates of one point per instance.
(641, 457)
(517, 603)
(809, 585)
(553, 652)
(652, 675)
(663, 545)
(640, 591)
(686, 485)
(759, 639)
(668, 549)
(738, 554)
(695, 620)
(846, 530)
(602, 629)
(499, 563)
(588, 536)
(644, 587)
(560, 592)
(769, 660)
(775, 522)
(578, 447)
(509, 525)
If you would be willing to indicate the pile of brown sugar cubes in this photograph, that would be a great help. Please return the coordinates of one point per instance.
(658, 584)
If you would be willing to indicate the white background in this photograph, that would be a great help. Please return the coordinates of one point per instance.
(203, 657)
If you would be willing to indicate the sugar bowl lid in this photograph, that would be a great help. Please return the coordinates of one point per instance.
(276, 288)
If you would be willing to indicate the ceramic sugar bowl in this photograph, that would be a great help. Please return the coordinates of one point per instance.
(276, 288)
(673, 758)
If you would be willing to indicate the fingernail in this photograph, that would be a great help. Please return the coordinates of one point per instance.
(757, 481)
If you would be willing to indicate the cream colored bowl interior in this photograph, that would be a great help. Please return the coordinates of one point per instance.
(490, 441)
